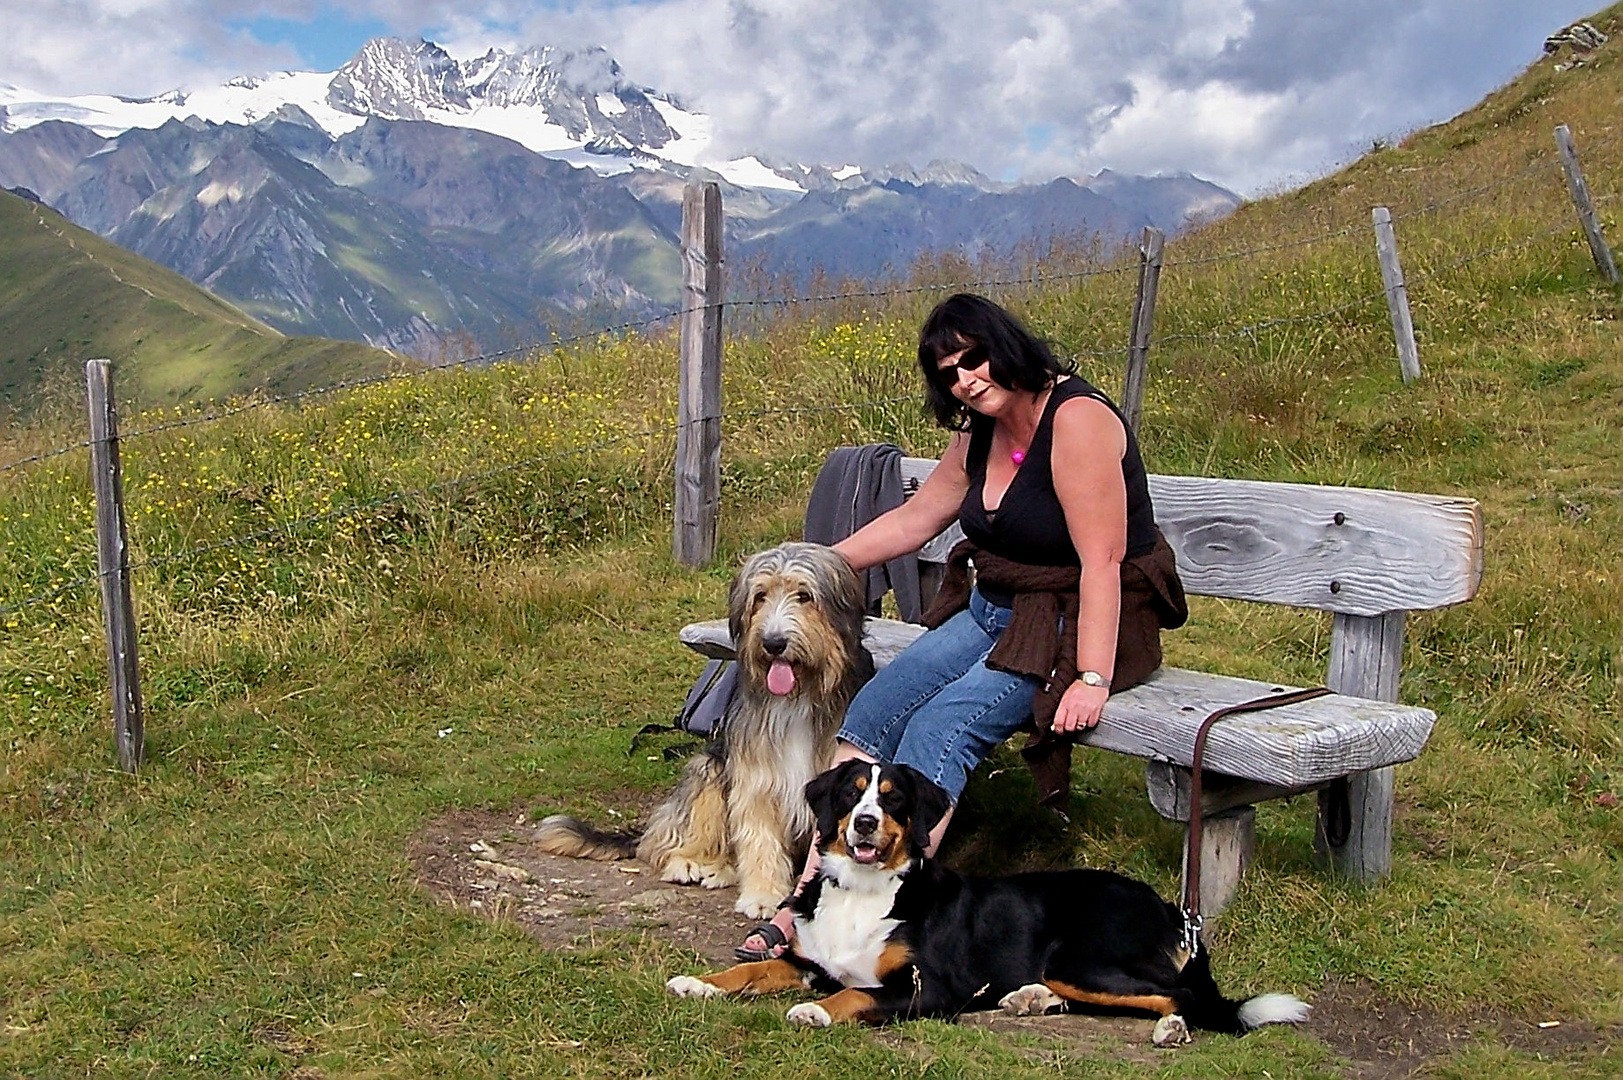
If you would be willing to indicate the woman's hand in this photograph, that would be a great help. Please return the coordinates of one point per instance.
(1080, 707)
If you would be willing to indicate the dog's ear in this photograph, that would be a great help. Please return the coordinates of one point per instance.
(930, 804)
(820, 794)
(738, 598)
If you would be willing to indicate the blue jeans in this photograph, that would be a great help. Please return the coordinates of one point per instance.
(937, 706)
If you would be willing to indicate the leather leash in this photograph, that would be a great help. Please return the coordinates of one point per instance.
(1192, 920)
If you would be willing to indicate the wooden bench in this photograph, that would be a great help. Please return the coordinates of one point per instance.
(1368, 557)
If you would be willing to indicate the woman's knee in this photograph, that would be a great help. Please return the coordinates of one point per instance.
(844, 751)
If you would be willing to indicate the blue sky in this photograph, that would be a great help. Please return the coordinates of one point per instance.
(321, 43)
(1257, 95)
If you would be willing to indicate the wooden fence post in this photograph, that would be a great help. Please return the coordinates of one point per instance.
(1397, 294)
(1138, 352)
(113, 564)
(1366, 658)
(698, 430)
(1586, 206)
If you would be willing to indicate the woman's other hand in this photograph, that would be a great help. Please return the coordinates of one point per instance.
(1080, 707)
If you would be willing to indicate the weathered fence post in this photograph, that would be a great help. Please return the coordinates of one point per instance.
(1138, 351)
(1397, 294)
(1366, 657)
(1585, 205)
(113, 564)
(698, 420)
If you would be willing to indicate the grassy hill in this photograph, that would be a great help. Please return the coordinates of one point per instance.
(67, 296)
(385, 618)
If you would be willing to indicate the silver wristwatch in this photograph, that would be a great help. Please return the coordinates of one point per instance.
(1093, 678)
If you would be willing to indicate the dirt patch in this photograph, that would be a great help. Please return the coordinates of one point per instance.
(1388, 1040)
(485, 862)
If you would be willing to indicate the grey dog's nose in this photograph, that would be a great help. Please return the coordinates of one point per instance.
(865, 823)
(774, 644)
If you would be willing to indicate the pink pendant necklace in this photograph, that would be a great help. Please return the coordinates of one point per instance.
(1017, 456)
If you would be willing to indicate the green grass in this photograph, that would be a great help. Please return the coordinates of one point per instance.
(67, 295)
(245, 905)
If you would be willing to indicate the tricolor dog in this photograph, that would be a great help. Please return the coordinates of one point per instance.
(894, 935)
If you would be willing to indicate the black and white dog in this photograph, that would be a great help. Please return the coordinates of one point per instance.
(895, 935)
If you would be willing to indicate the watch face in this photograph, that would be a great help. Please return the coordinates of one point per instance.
(1093, 678)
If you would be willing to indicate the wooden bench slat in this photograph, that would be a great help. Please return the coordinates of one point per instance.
(1293, 747)
(1356, 551)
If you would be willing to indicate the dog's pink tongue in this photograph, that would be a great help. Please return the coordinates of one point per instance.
(780, 678)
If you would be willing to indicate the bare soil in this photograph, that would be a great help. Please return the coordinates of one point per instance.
(485, 862)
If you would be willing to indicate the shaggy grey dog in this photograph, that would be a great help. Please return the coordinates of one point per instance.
(739, 814)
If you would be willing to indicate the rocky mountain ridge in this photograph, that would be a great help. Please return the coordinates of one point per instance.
(413, 200)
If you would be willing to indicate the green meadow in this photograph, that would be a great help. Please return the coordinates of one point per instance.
(324, 586)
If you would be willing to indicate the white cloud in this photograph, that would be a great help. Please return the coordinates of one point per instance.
(1245, 92)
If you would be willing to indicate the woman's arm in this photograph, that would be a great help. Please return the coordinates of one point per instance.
(1089, 442)
(907, 527)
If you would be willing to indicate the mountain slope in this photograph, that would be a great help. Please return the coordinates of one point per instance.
(66, 295)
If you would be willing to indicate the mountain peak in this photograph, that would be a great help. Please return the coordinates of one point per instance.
(583, 92)
(399, 80)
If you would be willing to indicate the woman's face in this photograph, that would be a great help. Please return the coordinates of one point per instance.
(968, 373)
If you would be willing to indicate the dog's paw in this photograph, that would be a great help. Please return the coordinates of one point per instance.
(757, 906)
(682, 872)
(1170, 1031)
(722, 878)
(1032, 1000)
(688, 986)
(809, 1014)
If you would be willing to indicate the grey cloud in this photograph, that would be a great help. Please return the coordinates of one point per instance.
(1244, 92)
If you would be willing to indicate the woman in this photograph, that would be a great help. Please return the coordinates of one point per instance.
(1072, 579)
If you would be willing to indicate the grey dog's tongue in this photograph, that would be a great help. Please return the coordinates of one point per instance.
(780, 678)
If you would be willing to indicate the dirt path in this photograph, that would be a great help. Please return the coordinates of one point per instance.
(484, 862)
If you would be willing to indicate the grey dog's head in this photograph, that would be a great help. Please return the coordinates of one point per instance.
(795, 612)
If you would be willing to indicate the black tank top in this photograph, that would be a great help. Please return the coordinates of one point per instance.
(1029, 524)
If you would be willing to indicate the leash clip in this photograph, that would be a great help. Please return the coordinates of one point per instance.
(1192, 924)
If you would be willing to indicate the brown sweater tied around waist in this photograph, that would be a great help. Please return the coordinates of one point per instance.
(1041, 637)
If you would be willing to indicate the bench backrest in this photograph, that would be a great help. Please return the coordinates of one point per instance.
(1354, 551)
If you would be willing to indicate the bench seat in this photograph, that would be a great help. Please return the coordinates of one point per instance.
(1296, 746)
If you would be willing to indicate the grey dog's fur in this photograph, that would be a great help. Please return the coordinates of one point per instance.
(739, 813)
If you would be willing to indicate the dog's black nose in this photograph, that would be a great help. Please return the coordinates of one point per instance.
(774, 644)
(865, 823)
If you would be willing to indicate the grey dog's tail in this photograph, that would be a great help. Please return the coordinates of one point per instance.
(561, 834)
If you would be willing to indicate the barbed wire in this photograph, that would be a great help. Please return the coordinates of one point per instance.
(287, 528)
(1541, 164)
(939, 287)
(45, 455)
(1252, 329)
(298, 396)
(1509, 245)
(217, 415)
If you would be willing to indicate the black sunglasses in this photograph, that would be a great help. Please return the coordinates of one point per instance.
(970, 359)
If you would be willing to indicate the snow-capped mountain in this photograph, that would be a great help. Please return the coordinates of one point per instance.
(575, 106)
(412, 199)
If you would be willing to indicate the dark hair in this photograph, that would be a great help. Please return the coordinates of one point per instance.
(1020, 359)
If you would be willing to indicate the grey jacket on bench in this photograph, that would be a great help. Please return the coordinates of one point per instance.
(855, 485)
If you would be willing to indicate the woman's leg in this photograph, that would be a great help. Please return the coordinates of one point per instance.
(965, 720)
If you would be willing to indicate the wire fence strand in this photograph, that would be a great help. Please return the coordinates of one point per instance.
(1242, 330)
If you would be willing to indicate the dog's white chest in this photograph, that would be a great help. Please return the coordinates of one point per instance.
(849, 932)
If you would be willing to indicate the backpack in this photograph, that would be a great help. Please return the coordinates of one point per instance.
(703, 710)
